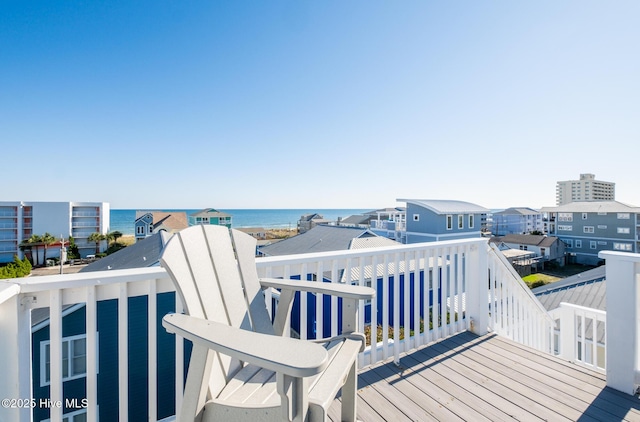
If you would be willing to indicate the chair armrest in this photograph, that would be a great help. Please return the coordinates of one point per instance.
(347, 291)
(296, 358)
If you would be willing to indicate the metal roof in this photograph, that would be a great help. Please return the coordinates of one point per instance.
(584, 289)
(440, 206)
(518, 211)
(593, 206)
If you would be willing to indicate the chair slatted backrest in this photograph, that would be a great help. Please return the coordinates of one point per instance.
(213, 268)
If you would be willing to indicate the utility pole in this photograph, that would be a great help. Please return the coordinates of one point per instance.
(63, 253)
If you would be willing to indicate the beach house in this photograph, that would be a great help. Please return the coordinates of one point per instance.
(589, 227)
(431, 220)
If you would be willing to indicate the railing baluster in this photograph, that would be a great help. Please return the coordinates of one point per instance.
(123, 353)
(385, 307)
(334, 299)
(152, 359)
(397, 300)
(303, 305)
(459, 286)
(55, 353)
(417, 336)
(444, 289)
(406, 282)
(435, 309)
(92, 354)
(319, 303)
(374, 309)
(179, 359)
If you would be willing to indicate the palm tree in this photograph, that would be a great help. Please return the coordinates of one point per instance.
(26, 245)
(96, 237)
(116, 235)
(47, 240)
(35, 241)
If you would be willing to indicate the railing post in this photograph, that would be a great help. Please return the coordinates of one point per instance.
(567, 333)
(15, 355)
(622, 319)
(477, 296)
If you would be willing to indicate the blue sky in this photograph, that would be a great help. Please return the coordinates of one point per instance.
(323, 104)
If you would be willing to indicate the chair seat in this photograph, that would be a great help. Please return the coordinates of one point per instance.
(255, 388)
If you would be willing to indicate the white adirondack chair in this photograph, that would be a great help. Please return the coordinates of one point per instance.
(242, 367)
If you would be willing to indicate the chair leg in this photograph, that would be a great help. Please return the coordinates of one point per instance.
(350, 395)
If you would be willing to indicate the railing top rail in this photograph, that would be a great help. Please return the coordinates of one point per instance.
(8, 289)
(357, 253)
(594, 311)
(65, 281)
(620, 256)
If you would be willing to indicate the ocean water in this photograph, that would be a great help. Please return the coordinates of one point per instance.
(123, 220)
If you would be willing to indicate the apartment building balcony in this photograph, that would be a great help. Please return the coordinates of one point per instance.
(460, 337)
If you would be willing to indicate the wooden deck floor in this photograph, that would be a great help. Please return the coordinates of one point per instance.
(488, 378)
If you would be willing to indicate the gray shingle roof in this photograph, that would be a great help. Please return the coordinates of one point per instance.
(527, 239)
(210, 212)
(440, 206)
(318, 239)
(143, 253)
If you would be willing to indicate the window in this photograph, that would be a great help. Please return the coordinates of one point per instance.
(76, 416)
(140, 230)
(565, 216)
(416, 217)
(471, 221)
(578, 243)
(623, 216)
(622, 246)
(587, 229)
(449, 222)
(74, 359)
(569, 243)
(564, 228)
(624, 230)
(592, 244)
(584, 215)
(460, 221)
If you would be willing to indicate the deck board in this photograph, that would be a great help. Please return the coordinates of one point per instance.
(466, 377)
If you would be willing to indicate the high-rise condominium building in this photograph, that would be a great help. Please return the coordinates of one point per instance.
(20, 219)
(585, 189)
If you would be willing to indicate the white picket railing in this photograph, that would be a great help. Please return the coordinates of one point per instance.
(515, 311)
(425, 292)
(583, 335)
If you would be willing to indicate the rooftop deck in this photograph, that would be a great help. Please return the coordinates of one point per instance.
(509, 374)
(487, 378)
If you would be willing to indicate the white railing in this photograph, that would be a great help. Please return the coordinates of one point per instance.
(515, 312)
(580, 335)
(19, 297)
(623, 319)
(425, 292)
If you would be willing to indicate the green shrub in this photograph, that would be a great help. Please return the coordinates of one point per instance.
(17, 268)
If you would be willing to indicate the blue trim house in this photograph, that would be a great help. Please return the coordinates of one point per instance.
(144, 253)
(432, 220)
(593, 226)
